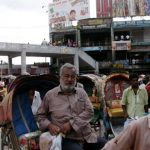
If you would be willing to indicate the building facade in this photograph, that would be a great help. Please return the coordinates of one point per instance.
(116, 45)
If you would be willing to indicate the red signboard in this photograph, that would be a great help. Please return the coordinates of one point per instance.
(122, 8)
(104, 8)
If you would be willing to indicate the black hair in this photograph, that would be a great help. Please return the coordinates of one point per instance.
(133, 76)
(72, 11)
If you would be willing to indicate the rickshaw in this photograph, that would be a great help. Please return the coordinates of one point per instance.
(3, 91)
(113, 116)
(148, 91)
(93, 86)
(16, 118)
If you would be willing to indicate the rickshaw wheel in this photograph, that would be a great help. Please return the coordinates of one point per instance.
(8, 138)
(5, 140)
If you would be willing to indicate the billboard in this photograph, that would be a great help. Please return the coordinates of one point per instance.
(122, 8)
(139, 7)
(63, 12)
(147, 7)
(104, 8)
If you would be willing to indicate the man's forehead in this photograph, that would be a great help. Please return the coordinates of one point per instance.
(69, 69)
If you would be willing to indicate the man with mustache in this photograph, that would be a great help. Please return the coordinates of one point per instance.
(67, 109)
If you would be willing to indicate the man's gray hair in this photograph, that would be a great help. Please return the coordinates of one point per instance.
(67, 65)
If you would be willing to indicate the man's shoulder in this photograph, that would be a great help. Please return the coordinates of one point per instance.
(81, 92)
(127, 89)
(79, 89)
(142, 121)
(53, 90)
(79, 85)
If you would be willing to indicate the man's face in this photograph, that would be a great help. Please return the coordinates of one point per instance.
(68, 79)
(73, 15)
(134, 83)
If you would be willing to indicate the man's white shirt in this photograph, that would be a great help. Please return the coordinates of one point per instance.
(36, 102)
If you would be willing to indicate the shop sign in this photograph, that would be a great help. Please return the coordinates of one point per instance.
(133, 23)
(95, 22)
(121, 45)
(64, 11)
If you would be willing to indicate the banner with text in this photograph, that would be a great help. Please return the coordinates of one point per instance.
(104, 8)
(63, 12)
(122, 8)
(121, 45)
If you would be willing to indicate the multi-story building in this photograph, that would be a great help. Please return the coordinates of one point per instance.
(136, 50)
(121, 45)
(117, 45)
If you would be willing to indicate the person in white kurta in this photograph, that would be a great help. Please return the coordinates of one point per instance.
(35, 100)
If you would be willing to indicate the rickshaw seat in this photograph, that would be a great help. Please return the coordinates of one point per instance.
(24, 132)
(23, 118)
(114, 108)
(115, 112)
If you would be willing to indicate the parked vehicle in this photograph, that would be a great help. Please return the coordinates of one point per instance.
(93, 85)
(148, 91)
(113, 116)
(17, 118)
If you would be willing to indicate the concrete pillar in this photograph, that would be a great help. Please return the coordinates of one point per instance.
(57, 62)
(54, 60)
(50, 60)
(78, 38)
(23, 62)
(97, 67)
(112, 39)
(9, 65)
(76, 61)
(51, 39)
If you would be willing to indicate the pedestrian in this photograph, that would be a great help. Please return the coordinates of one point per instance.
(66, 109)
(134, 99)
(142, 81)
(35, 100)
(135, 136)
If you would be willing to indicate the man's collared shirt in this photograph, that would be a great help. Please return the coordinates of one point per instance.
(136, 136)
(75, 108)
(135, 103)
(36, 102)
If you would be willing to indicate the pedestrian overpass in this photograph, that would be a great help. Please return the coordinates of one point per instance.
(62, 54)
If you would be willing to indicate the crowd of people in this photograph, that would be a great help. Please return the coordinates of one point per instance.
(66, 112)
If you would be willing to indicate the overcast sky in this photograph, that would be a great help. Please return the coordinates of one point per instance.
(23, 21)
